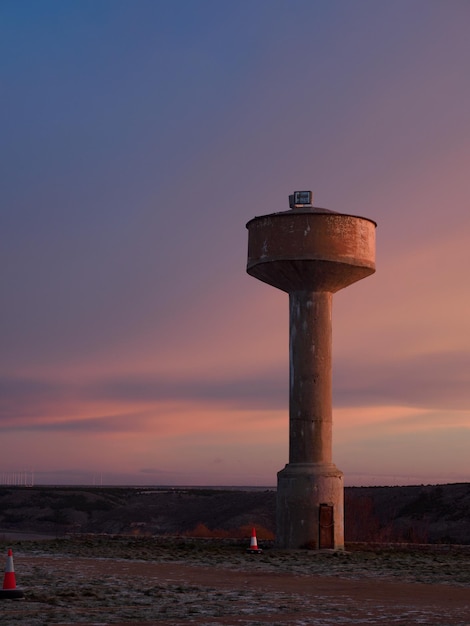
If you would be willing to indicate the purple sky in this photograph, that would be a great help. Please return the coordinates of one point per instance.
(137, 140)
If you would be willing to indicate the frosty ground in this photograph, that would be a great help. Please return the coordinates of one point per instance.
(172, 580)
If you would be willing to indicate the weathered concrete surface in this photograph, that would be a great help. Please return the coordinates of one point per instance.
(310, 385)
(310, 479)
(302, 488)
(314, 250)
(310, 253)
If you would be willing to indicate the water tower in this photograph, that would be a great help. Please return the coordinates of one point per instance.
(310, 253)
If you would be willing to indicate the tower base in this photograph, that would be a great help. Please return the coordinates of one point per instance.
(310, 507)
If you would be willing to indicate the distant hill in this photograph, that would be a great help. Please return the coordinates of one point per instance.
(417, 514)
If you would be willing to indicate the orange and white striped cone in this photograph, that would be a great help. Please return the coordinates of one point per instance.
(253, 543)
(9, 580)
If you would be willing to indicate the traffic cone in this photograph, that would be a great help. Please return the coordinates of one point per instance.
(9, 581)
(253, 549)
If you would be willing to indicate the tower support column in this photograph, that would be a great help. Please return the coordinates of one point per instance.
(310, 488)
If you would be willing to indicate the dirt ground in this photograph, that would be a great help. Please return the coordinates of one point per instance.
(226, 586)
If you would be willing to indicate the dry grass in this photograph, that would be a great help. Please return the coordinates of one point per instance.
(103, 580)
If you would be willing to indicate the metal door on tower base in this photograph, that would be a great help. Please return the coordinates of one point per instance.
(327, 526)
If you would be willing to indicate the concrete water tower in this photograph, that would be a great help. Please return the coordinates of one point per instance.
(310, 253)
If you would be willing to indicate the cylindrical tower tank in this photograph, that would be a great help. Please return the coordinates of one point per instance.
(310, 253)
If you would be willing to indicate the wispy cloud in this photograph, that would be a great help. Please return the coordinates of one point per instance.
(25, 400)
(427, 381)
(436, 380)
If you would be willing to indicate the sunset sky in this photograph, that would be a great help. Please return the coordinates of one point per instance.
(137, 140)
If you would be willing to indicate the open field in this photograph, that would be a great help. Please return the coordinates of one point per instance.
(172, 580)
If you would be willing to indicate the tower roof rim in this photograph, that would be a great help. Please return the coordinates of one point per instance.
(311, 211)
